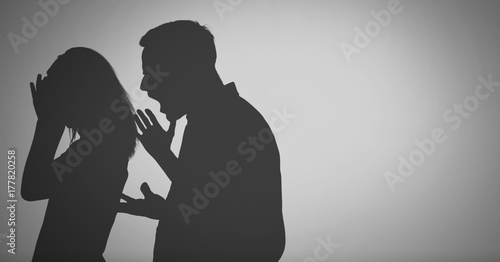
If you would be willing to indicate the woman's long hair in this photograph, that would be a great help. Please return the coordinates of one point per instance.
(91, 92)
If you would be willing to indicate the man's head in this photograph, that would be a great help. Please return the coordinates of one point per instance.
(177, 59)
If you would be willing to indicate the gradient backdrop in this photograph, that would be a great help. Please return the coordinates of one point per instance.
(351, 120)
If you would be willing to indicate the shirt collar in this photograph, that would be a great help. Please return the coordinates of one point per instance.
(227, 91)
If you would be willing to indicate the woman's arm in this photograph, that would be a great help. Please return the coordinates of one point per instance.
(39, 178)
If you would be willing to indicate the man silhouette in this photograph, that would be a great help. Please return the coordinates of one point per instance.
(224, 203)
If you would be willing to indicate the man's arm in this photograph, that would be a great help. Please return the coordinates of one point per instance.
(170, 164)
(150, 206)
(157, 142)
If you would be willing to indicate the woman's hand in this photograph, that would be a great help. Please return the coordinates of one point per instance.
(154, 139)
(45, 101)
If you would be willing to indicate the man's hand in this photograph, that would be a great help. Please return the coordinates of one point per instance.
(154, 139)
(152, 206)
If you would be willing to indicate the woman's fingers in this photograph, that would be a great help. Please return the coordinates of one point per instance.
(33, 90)
(38, 82)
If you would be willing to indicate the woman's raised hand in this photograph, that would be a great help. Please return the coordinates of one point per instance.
(45, 101)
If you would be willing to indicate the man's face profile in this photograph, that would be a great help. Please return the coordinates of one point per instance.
(165, 83)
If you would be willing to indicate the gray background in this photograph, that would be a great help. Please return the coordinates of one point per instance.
(352, 120)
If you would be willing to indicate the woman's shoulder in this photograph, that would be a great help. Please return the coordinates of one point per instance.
(82, 154)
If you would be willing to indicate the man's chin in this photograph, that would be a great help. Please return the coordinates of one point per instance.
(165, 113)
(171, 117)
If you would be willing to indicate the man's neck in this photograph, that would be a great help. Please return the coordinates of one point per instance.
(211, 86)
(212, 81)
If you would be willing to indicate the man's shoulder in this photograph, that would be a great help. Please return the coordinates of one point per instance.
(237, 116)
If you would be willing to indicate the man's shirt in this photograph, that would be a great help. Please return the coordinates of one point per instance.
(230, 216)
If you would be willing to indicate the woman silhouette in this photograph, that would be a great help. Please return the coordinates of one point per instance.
(84, 184)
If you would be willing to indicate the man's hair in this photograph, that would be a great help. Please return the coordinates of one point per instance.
(181, 41)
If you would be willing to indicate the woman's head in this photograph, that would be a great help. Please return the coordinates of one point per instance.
(87, 86)
(86, 83)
